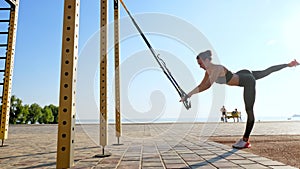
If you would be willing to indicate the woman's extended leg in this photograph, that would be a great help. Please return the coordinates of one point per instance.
(263, 73)
(266, 72)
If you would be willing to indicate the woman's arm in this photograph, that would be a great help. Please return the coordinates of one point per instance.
(204, 85)
(209, 78)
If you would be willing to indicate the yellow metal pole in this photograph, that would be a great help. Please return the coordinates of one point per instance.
(9, 64)
(117, 70)
(103, 77)
(69, 57)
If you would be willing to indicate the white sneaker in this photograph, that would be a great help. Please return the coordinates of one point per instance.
(241, 144)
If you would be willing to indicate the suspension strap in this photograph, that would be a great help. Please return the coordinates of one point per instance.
(161, 63)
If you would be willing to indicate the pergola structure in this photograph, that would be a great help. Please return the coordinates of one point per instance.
(69, 58)
(7, 46)
(66, 123)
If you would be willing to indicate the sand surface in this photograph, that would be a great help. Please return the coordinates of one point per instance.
(282, 148)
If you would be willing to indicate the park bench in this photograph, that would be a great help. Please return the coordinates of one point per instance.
(234, 115)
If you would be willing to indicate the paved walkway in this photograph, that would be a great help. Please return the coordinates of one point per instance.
(143, 146)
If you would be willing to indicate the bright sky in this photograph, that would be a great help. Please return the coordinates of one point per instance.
(248, 34)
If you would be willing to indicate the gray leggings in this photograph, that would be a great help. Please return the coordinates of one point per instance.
(247, 79)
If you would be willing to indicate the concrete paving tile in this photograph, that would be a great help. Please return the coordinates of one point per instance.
(192, 154)
(87, 163)
(129, 164)
(96, 160)
(253, 166)
(238, 167)
(128, 167)
(258, 158)
(248, 155)
(173, 161)
(194, 163)
(151, 155)
(213, 158)
(170, 153)
(84, 166)
(194, 147)
(214, 149)
(271, 163)
(102, 167)
(151, 159)
(109, 161)
(164, 157)
(243, 161)
(224, 164)
(233, 157)
(150, 150)
(6, 166)
(131, 158)
(282, 167)
(193, 158)
(202, 165)
(184, 152)
(204, 152)
(128, 154)
(219, 152)
(266, 161)
(5, 161)
(182, 166)
(152, 164)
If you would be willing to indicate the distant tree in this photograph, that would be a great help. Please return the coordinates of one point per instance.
(23, 114)
(54, 110)
(46, 116)
(15, 105)
(35, 113)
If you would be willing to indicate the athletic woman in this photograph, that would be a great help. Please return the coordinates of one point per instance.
(244, 78)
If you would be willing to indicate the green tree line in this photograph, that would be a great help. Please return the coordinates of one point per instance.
(31, 114)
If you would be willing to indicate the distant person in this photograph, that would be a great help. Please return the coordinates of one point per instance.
(244, 78)
(235, 114)
(224, 116)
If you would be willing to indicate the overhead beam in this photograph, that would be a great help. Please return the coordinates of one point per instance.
(12, 2)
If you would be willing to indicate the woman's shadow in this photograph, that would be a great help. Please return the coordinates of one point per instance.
(215, 159)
